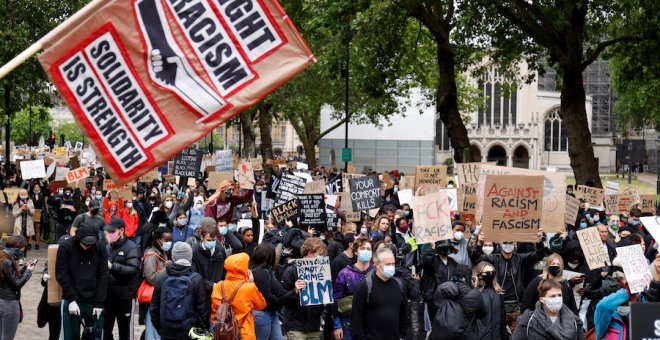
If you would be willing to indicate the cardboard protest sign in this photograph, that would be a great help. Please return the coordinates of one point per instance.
(622, 204)
(468, 173)
(592, 247)
(513, 206)
(318, 281)
(431, 175)
(246, 175)
(611, 188)
(633, 194)
(33, 169)
(554, 193)
(592, 195)
(647, 203)
(58, 184)
(77, 174)
(12, 194)
(290, 187)
(432, 221)
(187, 163)
(215, 178)
(468, 199)
(60, 173)
(635, 267)
(149, 176)
(652, 224)
(407, 182)
(223, 160)
(285, 211)
(365, 193)
(315, 187)
(159, 83)
(334, 184)
(344, 205)
(306, 176)
(385, 178)
(452, 198)
(61, 151)
(54, 289)
(572, 208)
(312, 212)
(109, 184)
(345, 177)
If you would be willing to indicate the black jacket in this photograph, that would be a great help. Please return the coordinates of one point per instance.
(470, 300)
(435, 273)
(492, 326)
(200, 300)
(517, 265)
(210, 267)
(295, 316)
(123, 278)
(10, 286)
(269, 287)
(83, 274)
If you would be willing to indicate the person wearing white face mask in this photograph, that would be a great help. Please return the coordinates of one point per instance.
(196, 213)
(379, 304)
(181, 232)
(510, 267)
(550, 319)
(461, 244)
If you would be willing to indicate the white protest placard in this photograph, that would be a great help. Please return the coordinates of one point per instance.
(51, 169)
(432, 221)
(452, 197)
(302, 166)
(318, 281)
(315, 187)
(635, 267)
(308, 178)
(60, 173)
(33, 169)
(405, 196)
(592, 247)
(652, 224)
(611, 188)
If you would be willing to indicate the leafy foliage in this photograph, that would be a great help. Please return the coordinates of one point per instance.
(20, 124)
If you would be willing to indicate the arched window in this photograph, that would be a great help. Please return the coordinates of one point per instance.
(500, 109)
(555, 132)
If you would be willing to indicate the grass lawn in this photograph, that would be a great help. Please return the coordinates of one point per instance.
(642, 187)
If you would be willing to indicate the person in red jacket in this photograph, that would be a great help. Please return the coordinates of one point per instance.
(221, 204)
(112, 209)
(131, 219)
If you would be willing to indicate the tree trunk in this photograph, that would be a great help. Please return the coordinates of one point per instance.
(574, 115)
(7, 130)
(247, 124)
(265, 120)
(310, 152)
(447, 101)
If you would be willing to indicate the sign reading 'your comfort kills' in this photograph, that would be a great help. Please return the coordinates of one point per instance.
(147, 78)
(513, 206)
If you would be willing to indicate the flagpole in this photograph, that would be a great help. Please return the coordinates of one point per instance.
(38, 46)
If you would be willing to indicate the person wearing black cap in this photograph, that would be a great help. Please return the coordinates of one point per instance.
(90, 218)
(124, 267)
(82, 271)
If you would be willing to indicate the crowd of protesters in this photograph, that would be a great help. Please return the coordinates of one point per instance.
(173, 254)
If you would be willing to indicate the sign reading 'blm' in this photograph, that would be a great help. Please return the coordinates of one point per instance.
(513, 206)
(318, 281)
(365, 193)
(187, 163)
(147, 78)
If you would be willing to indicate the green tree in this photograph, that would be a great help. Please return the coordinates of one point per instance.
(34, 118)
(23, 22)
(71, 131)
(571, 34)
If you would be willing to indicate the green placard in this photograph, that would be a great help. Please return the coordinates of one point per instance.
(346, 155)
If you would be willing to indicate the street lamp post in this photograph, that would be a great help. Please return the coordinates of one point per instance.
(630, 147)
(657, 163)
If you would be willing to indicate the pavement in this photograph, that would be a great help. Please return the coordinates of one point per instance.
(30, 296)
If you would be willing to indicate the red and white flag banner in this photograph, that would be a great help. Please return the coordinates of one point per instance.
(147, 78)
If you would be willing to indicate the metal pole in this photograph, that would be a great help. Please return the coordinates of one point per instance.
(348, 58)
(240, 138)
(657, 163)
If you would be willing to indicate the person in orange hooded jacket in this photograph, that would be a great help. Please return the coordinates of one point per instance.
(248, 297)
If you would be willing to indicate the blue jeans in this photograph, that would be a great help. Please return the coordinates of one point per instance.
(150, 332)
(267, 326)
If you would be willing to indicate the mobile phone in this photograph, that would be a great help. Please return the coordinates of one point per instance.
(34, 262)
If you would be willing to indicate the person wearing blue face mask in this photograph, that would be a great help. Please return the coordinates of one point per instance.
(155, 261)
(228, 237)
(379, 303)
(209, 257)
(344, 287)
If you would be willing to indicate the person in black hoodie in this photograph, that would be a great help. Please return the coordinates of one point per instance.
(124, 267)
(209, 256)
(82, 271)
(181, 266)
(12, 279)
(266, 323)
(437, 268)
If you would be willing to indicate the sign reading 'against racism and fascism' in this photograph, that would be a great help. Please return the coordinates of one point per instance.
(513, 206)
(147, 78)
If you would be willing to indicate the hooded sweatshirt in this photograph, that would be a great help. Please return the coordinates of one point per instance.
(247, 298)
